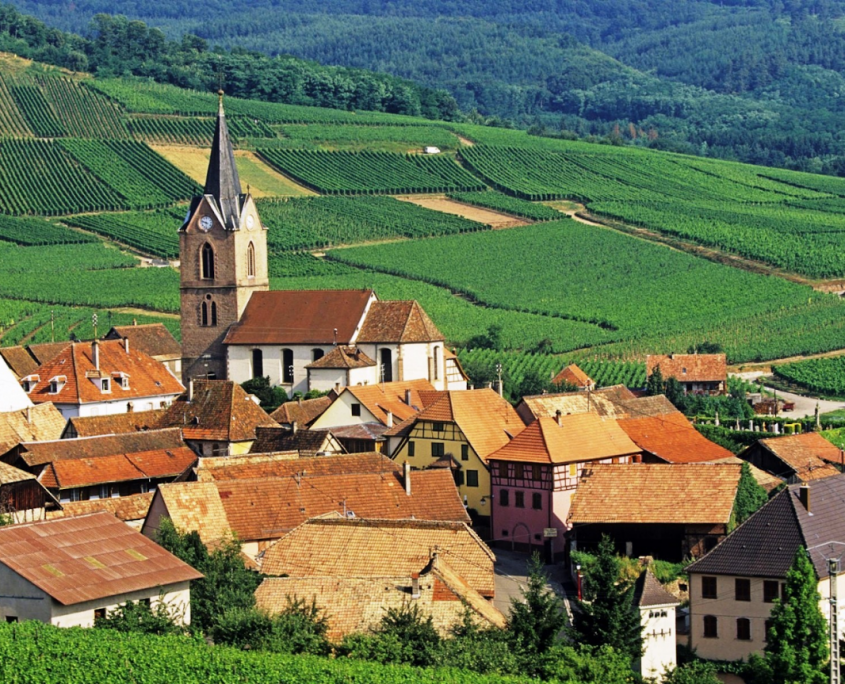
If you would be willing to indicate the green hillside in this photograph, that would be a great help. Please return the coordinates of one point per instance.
(122, 179)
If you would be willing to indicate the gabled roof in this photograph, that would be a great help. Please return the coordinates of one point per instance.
(152, 338)
(580, 437)
(88, 557)
(142, 465)
(343, 357)
(19, 360)
(39, 453)
(303, 411)
(47, 351)
(648, 592)
(573, 375)
(336, 547)
(113, 424)
(689, 367)
(487, 421)
(672, 438)
(602, 401)
(195, 506)
(147, 377)
(11, 475)
(807, 454)
(391, 396)
(219, 410)
(305, 442)
(38, 423)
(288, 465)
(130, 508)
(269, 507)
(398, 321)
(301, 317)
(688, 493)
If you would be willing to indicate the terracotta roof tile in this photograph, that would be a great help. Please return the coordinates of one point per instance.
(147, 377)
(19, 360)
(152, 338)
(131, 508)
(11, 475)
(603, 401)
(580, 437)
(301, 317)
(808, 454)
(303, 412)
(380, 548)
(281, 465)
(38, 423)
(113, 424)
(390, 396)
(194, 506)
(672, 438)
(689, 367)
(47, 351)
(343, 357)
(398, 321)
(690, 493)
(220, 410)
(573, 375)
(123, 560)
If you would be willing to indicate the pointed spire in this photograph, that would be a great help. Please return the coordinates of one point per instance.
(222, 181)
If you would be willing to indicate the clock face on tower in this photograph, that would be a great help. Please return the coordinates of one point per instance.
(206, 223)
(250, 222)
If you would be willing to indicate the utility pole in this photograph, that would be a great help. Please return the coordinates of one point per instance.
(833, 570)
(499, 374)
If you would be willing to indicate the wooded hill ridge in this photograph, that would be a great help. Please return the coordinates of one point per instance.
(757, 81)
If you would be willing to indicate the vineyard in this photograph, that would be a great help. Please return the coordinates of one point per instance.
(825, 376)
(154, 232)
(34, 231)
(507, 204)
(368, 173)
(194, 130)
(408, 137)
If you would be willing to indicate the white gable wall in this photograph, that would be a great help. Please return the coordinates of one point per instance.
(240, 363)
(339, 413)
(12, 396)
(659, 653)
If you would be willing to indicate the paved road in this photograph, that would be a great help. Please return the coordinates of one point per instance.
(512, 576)
(804, 406)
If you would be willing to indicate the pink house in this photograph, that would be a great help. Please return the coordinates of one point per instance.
(534, 476)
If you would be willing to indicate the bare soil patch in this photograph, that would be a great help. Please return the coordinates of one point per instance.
(486, 216)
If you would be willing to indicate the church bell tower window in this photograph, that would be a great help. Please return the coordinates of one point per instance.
(250, 260)
(207, 262)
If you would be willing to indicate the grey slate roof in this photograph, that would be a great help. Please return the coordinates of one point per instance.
(766, 543)
(649, 592)
(274, 439)
(222, 180)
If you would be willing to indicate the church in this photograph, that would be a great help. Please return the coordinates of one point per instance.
(234, 327)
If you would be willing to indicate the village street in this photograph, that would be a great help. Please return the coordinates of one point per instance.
(804, 406)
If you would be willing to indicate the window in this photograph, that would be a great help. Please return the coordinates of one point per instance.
(411, 447)
(504, 497)
(257, 363)
(711, 627)
(317, 354)
(218, 449)
(742, 589)
(250, 261)
(436, 363)
(437, 449)
(517, 471)
(99, 613)
(208, 312)
(464, 452)
(356, 410)
(213, 314)
(204, 314)
(573, 470)
(503, 469)
(207, 262)
(386, 360)
(536, 472)
(519, 499)
(472, 478)
(54, 387)
(438, 427)
(11, 619)
(105, 385)
(537, 501)
(768, 629)
(709, 588)
(743, 629)
(770, 590)
(287, 365)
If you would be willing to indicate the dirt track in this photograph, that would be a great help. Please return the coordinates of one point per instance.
(448, 206)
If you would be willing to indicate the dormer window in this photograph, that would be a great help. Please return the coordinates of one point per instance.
(55, 385)
(121, 380)
(684, 371)
(29, 382)
(105, 384)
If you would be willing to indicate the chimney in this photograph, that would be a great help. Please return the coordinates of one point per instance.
(299, 400)
(294, 427)
(489, 385)
(408, 397)
(559, 418)
(190, 390)
(126, 344)
(95, 354)
(337, 388)
(389, 421)
(415, 585)
(804, 496)
(28, 414)
(407, 473)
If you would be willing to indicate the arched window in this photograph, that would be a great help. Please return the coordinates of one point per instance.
(207, 262)
(250, 261)
(204, 308)
(257, 363)
(436, 363)
(386, 360)
(214, 313)
(317, 354)
(287, 365)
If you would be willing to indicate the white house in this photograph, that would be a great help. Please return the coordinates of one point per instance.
(12, 396)
(100, 378)
(67, 572)
(657, 616)
(285, 335)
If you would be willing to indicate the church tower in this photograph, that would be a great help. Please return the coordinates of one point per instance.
(223, 257)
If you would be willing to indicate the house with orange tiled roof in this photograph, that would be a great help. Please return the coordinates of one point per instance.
(671, 438)
(32, 424)
(697, 373)
(670, 512)
(573, 375)
(303, 412)
(464, 428)
(216, 417)
(69, 571)
(361, 414)
(260, 510)
(795, 458)
(153, 339)
(112, 424)
(535, 475)
(99, 378)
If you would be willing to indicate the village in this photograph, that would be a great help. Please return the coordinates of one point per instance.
(388, 478)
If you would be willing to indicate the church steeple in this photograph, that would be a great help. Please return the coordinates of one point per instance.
(222, 181)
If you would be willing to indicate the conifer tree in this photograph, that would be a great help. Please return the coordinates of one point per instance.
(537, 620)
(606, 615)
(750, 496)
